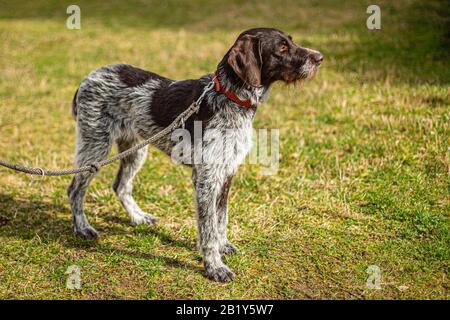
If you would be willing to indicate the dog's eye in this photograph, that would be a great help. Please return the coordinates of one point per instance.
(283, 47)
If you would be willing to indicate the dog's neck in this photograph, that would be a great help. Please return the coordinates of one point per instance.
(231, 82)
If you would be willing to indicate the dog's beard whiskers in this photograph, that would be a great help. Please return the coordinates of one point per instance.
(308, 73)
(313, 73)
(298, 84)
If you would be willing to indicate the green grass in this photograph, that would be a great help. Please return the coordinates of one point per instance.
(363, 177)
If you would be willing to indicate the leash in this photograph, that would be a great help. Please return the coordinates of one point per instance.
(96, 166)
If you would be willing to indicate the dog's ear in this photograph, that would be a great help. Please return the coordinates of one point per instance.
(244, 58)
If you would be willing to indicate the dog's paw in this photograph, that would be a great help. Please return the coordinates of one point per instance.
(229, 248)
(144, 218)
(86, 233)
(222, 273)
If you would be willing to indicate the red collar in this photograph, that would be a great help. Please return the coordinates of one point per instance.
(230, 94)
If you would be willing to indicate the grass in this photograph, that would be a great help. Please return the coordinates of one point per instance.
(363, 177)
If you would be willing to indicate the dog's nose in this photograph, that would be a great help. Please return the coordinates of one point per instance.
(317, 57)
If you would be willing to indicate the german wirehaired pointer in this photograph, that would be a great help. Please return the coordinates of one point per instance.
(122, 104)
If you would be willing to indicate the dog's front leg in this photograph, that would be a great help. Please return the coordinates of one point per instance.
(226, 247)
(207, 183)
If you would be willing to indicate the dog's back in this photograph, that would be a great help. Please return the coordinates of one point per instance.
(116, 100)
(128, 103)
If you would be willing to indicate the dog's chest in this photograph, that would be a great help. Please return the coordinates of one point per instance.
(228, 138)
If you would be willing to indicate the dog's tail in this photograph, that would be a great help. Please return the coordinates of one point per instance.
(74, 105)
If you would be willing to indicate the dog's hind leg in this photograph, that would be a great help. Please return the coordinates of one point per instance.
(123, 185)
(88, 152)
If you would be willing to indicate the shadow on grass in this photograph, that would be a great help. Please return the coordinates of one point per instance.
(27, 219)
(153, 14)
(411, 46)
(164, 236)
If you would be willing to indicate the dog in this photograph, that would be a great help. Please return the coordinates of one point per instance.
(123, 104)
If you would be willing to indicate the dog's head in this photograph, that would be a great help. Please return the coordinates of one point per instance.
(264, 55)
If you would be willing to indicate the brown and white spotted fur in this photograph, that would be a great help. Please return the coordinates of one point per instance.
(122, 104)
